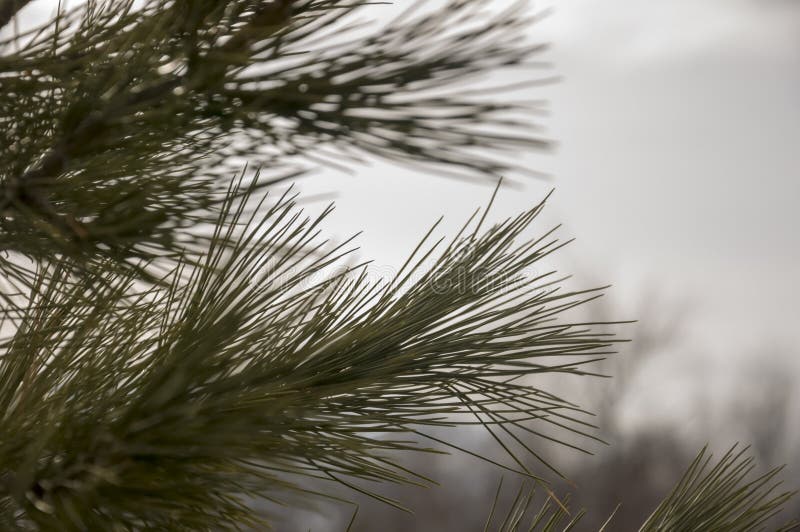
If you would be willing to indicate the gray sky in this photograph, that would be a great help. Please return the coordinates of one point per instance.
(678, 170)
(678, 126)
(680, 131)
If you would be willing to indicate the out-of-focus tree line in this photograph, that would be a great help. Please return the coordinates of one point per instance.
(630, 476)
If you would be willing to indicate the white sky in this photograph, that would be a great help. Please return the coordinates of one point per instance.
(678, 126)
(678, 170)
(683, 119)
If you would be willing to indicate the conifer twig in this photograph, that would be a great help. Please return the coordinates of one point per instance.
(9, 9)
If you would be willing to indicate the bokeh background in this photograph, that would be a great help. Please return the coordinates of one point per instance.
(676, 167)
(677, 170)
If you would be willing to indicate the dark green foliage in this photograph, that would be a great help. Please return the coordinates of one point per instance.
(721, 497)
(122, 125)
(177, 344)
(552, 516)
(169, 404)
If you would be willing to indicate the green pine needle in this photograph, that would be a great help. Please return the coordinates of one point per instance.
(710, 497)
(721, 497)
(154, 405)
(122, 124)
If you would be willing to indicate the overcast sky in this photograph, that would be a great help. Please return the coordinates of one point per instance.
(678, 170)
(680, 131)
(678, 126)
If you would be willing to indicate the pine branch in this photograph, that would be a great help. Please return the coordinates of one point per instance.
(721, 497)
(179, 349)
(169, 406)
(718, 497)
(551, 516)
(121, 124)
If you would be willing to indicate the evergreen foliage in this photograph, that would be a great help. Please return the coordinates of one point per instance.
(119, 121)
(723, 496)
(178, 343)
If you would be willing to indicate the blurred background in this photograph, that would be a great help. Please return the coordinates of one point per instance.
(677, 169)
